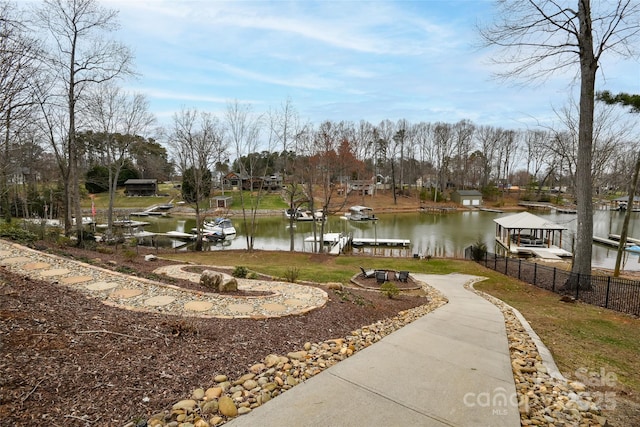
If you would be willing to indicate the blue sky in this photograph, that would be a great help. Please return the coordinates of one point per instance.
(335, 60)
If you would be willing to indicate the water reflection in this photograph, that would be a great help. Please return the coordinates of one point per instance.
(439, 235)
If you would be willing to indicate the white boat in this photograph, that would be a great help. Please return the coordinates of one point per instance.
(218, 226)
(303, 215)
(360, 213)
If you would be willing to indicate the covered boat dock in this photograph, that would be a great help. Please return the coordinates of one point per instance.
(528, 234)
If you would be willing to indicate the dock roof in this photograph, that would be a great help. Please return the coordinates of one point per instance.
(526, 220)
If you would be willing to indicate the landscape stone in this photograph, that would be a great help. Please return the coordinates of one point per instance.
(211, 280)
(227, 407)
(187, 405)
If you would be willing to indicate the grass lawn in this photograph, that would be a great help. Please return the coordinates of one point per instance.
(580, 336)
(268, 201)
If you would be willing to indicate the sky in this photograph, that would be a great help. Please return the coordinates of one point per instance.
(337, 60)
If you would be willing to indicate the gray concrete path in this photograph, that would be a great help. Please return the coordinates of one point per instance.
(448, 368)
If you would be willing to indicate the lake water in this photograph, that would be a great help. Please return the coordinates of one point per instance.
(441, 235)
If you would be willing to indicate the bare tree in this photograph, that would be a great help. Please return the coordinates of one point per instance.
(443, 146)
(243, 130)
(284, 127)
(119, 118)
(19, 73)
(195, 138)
(542, 37)
(79, 57)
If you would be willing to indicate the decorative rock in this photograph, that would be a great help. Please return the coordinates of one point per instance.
(215, 421)
(335, 286)
(197, 394)
(257, 368)
(230, 285)
(250, 384)
(187, 405)
(210, 407)
(220, 378)
(297, 355)
(227, 407)
(213, 393)
(211, 280)
(150, 257)
(243, 410)
(271, 360)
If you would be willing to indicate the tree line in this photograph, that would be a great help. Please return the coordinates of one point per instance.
(63, 113)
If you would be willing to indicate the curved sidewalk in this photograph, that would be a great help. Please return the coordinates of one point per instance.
(448, 368)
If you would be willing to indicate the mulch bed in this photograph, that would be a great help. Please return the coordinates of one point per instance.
(69, 360)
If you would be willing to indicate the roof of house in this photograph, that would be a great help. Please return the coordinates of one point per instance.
(140, 181)
(469, 192)
(526, 220)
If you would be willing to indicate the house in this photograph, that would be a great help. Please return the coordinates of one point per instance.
(467, 197)
(141, 187)
(236, 180)
(362, 186)
(272, 182)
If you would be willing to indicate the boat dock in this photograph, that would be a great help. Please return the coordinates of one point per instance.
(629, 239)
(361, 241)
(610, 242)
(338, 241)
(540, 205)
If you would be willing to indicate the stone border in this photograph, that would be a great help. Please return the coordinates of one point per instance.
(545, 396)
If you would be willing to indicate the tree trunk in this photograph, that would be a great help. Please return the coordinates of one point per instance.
(584, 185)
(627, 217)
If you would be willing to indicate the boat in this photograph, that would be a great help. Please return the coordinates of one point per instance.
(303, 215)
(218, 225)
(634, 248)
(360, 213)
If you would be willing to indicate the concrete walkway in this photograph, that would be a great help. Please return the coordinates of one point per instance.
(449, 368)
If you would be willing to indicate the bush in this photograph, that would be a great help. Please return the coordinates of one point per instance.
(389, 289)
(240, 271)
(292, 274)
(479, 250)
(14, 232)
(129, 255)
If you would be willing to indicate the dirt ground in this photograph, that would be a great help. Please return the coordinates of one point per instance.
(69, 360)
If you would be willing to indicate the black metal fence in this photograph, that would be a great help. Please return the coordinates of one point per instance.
(614, 293)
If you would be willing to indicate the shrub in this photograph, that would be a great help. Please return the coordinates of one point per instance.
(252, 275)
(240, 271)
(12, 231)
(479, 250)
(129, 255)
(292, 274)
(389, 289)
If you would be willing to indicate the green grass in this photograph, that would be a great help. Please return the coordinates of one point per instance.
(580, 336)
(269, 201)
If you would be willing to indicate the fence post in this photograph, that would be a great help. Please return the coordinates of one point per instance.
(506, 263)
(495, 262)
(553, 283)
(578, 286)
(519, 267)
(606, 299)
(535, 274)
